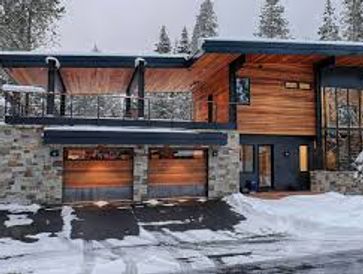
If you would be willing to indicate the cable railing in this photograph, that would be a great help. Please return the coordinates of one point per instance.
(108, 106)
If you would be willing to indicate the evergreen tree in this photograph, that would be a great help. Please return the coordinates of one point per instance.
(206, 24)
(95, 48)
(184, 44)
(272, 23)
(164, 44)
(28, 24)
(353, 20)
(329, 30)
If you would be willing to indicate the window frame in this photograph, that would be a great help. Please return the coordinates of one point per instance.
(243, 165)
(239, 102)
(307, 158)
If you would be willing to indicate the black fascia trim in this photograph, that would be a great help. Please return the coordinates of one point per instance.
(64, 121)
(266, 47)
(133, 138)
(90, 61)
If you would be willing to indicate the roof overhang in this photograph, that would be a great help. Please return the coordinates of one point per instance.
(29, 59)
(131, 136)
(283, 47)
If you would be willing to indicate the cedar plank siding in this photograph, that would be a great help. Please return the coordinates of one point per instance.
(218, 86)
(275, 110)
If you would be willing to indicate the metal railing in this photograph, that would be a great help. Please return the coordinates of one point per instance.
(115, 106)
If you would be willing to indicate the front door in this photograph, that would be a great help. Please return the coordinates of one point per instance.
(265, 163)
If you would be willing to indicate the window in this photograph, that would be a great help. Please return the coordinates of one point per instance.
(304, 158)
(97, 154)
(170, 153)
(247, 158)
(243, 92)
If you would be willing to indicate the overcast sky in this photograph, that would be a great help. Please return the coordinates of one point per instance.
(133, 25)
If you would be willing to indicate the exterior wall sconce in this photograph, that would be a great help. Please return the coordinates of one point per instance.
(215, 153)
(287, 153)
(54, 153)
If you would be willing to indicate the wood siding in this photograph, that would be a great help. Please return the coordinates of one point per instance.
(98, 174)
(275, 110)
(218, 86)
(177, 172)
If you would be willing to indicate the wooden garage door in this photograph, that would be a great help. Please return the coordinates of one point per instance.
(98, 174)
(175, 173)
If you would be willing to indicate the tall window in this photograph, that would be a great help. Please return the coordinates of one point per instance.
(243, 91)
(342, 127)
(247, 158)
(304, 158)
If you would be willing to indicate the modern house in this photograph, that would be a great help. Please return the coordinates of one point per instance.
(263, 115)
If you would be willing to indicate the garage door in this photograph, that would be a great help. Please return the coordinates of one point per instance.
(96, 174)
(177, 173)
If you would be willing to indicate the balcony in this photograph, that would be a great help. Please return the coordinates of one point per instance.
(176, 111)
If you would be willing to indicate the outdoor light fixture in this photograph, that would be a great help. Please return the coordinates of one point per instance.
(287, 153)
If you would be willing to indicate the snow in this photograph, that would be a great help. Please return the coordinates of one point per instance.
(58, 54)
(275, 229)
(287, 41)
(17, 208)
(55, 60)
(139, 60)
(101, 203)
(118, 129)
(18, 220)
(23, 89)
(68, 217)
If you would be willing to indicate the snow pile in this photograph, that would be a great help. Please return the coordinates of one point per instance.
(16, 220)
(299, 215)
(24, 89)
(16, 208)
(68, 217)
(101, 203)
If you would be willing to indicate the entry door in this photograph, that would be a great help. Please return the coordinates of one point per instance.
(265, 167)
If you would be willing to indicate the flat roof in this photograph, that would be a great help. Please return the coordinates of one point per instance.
(18, 59)
(273, 46)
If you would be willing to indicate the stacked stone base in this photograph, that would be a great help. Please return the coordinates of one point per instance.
(31, 172)
(345, 182)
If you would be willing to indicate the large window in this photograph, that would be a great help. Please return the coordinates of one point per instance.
(342, 127)
(243, 91)
(247, 158)
(304, 158)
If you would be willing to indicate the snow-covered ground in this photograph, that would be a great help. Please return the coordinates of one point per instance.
(291, 227)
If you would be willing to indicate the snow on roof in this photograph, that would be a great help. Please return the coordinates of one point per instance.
(119, 129)
(297, 41)
(95, 54)
(23, 89)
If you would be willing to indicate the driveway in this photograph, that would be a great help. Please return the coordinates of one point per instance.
(234, 235)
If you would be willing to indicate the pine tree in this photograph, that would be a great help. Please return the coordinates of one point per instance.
(184, 44)
(95, 48)
(164, 44)
(329, 31)
(272, 23)
(206, 24)
(27, 25)
(353, 20)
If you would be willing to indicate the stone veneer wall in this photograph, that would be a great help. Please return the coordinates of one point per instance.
(27, 171)
(141, 161)
(224, 168)
(29, 174)
(344, 182)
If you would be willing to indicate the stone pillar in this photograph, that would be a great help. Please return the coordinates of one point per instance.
(141, 161)
(224, 168)
(29, 173)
